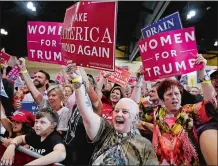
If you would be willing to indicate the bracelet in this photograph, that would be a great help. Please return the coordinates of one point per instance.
(206, 82)
(76, 79)
(13, 143)
(24, 71)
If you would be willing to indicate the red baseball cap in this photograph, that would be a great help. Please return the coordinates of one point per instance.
(23, 116)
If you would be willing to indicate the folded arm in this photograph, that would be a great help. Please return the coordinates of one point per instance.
(57, 155)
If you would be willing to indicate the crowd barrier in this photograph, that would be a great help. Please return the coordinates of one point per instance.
(23, 155)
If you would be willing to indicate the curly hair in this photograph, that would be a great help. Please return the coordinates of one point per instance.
(167, 85)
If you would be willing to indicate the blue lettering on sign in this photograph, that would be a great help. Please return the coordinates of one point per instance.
(30, 106)
(168, 23)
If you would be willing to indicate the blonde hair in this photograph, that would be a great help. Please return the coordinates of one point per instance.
(57, 89)
(69, 86)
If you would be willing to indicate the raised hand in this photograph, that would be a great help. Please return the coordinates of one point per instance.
(21, 64)
(72, 70)
(107, 74)
(200, 59)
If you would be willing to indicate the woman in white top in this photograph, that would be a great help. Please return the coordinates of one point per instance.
(55, 101)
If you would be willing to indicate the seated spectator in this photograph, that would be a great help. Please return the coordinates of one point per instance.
(118, 144)
(45, 140)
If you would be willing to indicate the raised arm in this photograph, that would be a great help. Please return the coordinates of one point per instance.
(94, 97)
(90, 119)
(6, 123)
(5, 66)
(207, 88)
(136, 94)
(102, 81)
(33, 90)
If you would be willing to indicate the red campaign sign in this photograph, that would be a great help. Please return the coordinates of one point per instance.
(169, 54)
(14, 73)
(132, 80)
(4, 57)
(44, 42)
(120, 76)
(89, 34)
(60, 78)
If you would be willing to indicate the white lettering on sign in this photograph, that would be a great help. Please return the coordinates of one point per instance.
(87, 34)
(175, 38)
(46, 55)
(49, 30)
(167, 68)
(165, 54)
(87, 50)
(79, 17)
(162, 27)
(48, 42)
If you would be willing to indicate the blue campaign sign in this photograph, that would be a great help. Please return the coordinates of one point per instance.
(30, 106)
(168, 23)
(3, 93)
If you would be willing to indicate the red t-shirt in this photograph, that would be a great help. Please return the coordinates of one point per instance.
(107, 109)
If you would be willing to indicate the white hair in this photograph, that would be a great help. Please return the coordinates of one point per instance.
(133, 108)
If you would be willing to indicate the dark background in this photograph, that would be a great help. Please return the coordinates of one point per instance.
(131, 17)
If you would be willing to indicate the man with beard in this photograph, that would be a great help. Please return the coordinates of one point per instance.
(39, 85)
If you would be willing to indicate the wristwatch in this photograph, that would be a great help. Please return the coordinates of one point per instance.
(206, 78)
(77, 85)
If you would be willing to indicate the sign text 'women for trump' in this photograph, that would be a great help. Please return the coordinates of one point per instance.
(169, 54)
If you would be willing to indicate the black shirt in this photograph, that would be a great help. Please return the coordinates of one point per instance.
(43, 147)
(79, 151)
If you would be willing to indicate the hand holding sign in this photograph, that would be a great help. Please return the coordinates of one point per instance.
(4, 57)
(22, 64)
(72, 70)
(120, 76)
(201, 60)
(106, 74)
(169, 54)
(4, 65)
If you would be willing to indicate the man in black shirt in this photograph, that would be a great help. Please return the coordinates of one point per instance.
(44, 140)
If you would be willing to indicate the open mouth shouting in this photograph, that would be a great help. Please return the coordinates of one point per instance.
(119, 121)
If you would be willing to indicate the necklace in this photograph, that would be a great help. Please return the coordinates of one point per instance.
(72, 122)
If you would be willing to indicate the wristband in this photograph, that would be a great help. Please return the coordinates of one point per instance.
(24, 71)
(206, 82)
(76, 79)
